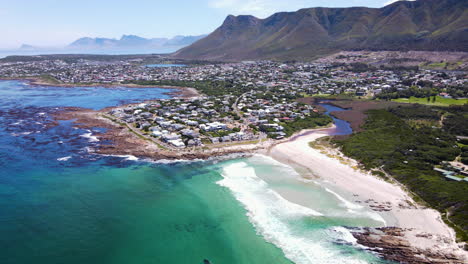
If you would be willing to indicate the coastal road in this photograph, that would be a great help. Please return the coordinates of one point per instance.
(234, 106)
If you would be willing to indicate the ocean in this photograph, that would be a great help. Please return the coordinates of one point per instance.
(61, 203)
(6, 53)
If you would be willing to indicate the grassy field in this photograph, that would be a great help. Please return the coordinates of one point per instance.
(440, 101)
(442, 65)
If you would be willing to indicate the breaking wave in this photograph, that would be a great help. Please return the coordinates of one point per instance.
(278, 219)
(90, 137)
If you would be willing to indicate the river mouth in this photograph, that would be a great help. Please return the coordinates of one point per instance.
(341, 127)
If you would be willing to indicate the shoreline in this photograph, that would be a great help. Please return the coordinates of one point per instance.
(181, 92)
(412, 233)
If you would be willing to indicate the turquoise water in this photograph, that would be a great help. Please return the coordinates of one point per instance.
(60, 203)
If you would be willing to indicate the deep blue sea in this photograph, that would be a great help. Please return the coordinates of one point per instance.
(61, 203)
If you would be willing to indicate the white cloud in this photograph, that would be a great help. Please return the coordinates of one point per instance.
(264, 8)
(260, 8)
(393, 1)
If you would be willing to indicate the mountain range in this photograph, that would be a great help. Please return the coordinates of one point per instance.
(127, 43)
(133, 42)
(312, 32)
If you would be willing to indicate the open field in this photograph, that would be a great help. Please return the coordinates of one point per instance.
(440, 101)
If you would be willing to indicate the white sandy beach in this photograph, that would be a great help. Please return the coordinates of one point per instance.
(428, 231)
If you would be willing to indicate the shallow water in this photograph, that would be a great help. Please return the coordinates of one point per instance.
(341, 127)
(60, 203)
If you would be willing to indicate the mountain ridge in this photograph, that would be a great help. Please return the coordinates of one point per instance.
(133, 41)
(311, 32)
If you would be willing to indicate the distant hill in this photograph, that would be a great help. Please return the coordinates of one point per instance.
(128, 42)
(309, 33)
(27, 47)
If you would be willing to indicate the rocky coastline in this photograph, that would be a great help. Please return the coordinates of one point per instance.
(390, 244)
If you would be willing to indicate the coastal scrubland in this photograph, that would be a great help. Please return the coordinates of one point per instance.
(432, 100)
(408, 142)
(209, 88)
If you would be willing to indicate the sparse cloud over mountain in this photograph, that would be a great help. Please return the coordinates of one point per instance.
(264, 8)
(259, 8)
(393, 1)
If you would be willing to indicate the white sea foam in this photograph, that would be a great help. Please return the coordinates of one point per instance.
(307, 180)
(131, 157)
(21, 134)
(17, 123)
(126, 157)
(174, 161)
(343, 234)
(88, 150)
(90, 137)
(274, 218)
(64, 158)
(213, 159)
(356, 209)
(375, 216)
(345, 202)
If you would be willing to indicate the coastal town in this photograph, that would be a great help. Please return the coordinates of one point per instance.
(196, 122)
(328, 77)
(239, 102)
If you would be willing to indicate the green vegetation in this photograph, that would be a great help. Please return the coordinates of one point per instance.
(464, 155)
(220, 133)
(313, 121)
(341, 96)
(409, 153)
(455, 121)
(49, 79)
(210, 88)
(442, 65)
(439, 101)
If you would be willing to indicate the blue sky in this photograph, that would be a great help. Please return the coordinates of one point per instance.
(59, 22)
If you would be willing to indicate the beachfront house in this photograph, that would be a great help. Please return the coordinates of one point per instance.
(214, 126)
(170, 137)
(178, 143)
